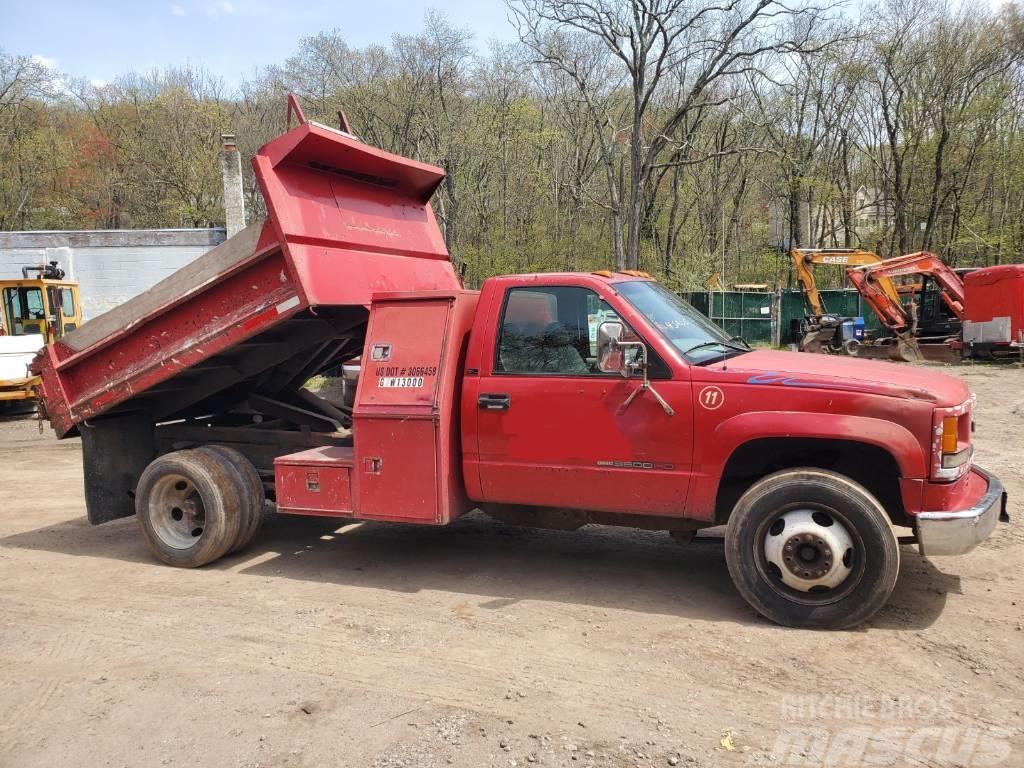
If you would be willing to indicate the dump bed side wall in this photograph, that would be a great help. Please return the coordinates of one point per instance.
(153, 351)
(171, 290)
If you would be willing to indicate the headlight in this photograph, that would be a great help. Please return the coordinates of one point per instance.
(951, 442)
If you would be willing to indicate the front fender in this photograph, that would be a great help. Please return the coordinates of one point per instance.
(713, 451)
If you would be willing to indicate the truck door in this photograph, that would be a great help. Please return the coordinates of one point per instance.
(552, 430)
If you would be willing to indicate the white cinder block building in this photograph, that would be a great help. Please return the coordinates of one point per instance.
(111, 266)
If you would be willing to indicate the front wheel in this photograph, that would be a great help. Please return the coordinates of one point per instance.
(812, 548)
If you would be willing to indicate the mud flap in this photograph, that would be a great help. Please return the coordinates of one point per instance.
(115, 451)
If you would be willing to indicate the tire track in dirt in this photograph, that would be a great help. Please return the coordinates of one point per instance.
(461, 682)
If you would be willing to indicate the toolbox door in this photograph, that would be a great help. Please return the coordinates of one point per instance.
(398, 411)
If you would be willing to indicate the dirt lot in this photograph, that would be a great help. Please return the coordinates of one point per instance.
(483, 644)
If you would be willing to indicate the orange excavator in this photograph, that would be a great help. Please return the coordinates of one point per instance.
(821, 331)
(875, 284)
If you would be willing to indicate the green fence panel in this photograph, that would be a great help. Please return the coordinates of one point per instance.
(792, 308)
(743, 313)
(843, 302)
(749, 313)
(699, 300)
(739, 313)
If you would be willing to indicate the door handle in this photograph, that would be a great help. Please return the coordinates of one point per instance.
(494, 402)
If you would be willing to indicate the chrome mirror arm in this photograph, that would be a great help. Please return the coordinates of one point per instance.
(661, 401)
(645, 385)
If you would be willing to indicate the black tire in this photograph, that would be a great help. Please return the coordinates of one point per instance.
(188, 508)
(250, 489)
(871, 562)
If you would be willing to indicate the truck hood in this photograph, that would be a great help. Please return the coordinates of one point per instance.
(800, 369)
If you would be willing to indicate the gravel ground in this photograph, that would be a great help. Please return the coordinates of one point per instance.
(484, 644)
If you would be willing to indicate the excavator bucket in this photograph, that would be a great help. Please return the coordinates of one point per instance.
(906, 349)
(817, 340)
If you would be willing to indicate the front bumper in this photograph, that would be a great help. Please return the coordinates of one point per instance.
(954, 532)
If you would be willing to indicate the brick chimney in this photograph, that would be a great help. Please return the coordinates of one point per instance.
(234, 199)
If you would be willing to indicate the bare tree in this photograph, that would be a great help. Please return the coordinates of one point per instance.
(802, 111)
(656, 42)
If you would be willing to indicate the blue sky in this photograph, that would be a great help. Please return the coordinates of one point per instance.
(100, 40)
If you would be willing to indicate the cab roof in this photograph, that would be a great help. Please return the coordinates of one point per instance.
(27, 282)
(603, 275)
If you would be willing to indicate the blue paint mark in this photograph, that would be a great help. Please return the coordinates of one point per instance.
(766, 378)
(789, 381)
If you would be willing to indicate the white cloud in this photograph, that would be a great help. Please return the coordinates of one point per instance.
(96, 83)
(56, 82)
(177, 10)
(222, 7)
(45, 61)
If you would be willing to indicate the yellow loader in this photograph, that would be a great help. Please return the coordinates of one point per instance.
(36, 310)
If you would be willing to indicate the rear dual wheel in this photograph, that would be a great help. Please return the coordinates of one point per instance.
(250, 487)
(195, 506)
(812, 548)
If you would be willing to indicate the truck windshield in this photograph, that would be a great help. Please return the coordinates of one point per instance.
(700, 340)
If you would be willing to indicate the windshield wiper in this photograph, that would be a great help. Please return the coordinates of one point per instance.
(725, 344)
(742, 341)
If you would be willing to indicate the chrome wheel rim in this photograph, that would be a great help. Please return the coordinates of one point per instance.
(177, 514)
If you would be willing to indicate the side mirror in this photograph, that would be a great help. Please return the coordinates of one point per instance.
(611, 356)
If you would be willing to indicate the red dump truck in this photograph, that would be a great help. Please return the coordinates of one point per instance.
(554, 400)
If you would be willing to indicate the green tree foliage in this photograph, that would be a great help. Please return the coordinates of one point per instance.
(684, 139)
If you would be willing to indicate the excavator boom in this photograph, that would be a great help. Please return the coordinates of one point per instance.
(805, 258)
(870, 282)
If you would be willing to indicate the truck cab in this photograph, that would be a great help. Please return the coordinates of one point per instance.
(663, 421)
(544, 424)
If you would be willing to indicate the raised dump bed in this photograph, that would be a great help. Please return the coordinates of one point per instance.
(229, 340)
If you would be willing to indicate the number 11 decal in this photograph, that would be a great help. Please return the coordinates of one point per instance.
(711, 398)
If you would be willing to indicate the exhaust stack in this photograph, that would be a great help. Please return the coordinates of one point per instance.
(234, 198)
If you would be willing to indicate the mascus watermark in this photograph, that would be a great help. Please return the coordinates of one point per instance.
(903, 707)
(906, 731)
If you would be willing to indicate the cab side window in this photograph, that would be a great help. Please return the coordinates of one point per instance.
(67, 302)
(68, 309)
(551, 329)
